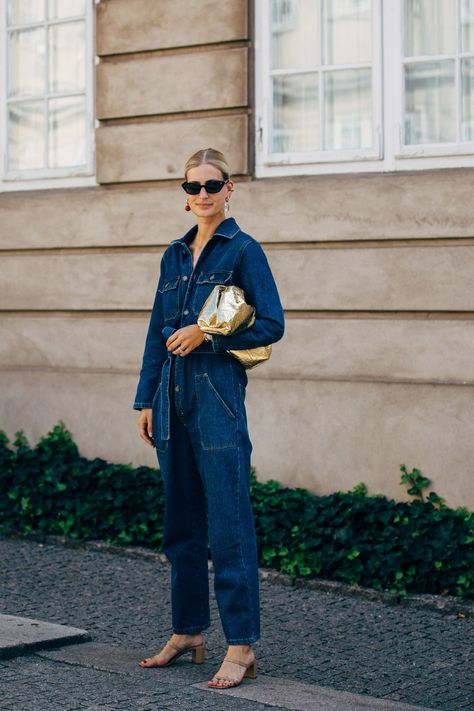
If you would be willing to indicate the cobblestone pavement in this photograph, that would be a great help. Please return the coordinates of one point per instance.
(414, 656)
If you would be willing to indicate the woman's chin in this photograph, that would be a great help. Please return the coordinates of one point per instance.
(206, 211)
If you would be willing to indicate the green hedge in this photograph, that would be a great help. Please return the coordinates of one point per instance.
(417, 546)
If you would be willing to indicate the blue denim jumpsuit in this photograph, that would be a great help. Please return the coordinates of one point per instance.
(200, 430)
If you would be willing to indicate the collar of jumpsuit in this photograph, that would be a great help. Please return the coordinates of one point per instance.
(228, 228)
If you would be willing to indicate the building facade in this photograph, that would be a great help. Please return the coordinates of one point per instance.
(349, 126)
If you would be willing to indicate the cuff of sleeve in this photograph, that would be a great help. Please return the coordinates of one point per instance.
(142, 405)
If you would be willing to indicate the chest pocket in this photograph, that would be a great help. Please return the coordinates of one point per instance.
(171, 298)
(205, 283)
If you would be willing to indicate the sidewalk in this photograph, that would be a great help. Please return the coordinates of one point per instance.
(319, 651)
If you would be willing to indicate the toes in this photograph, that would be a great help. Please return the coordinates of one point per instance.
(219, 682)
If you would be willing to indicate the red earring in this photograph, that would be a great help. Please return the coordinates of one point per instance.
(187, 207)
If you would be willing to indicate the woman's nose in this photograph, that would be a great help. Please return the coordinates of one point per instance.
(200, 192)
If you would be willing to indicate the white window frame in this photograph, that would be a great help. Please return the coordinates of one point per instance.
(45, 178)
(390, 154)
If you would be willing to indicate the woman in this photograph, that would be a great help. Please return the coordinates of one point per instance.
(191, 396)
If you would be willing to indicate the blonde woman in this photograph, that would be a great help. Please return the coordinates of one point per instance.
(191, 395)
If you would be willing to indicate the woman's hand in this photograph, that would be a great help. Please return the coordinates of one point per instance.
(145, 427)
(185, 340)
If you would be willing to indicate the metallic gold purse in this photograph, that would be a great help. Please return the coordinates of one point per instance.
(225, 311)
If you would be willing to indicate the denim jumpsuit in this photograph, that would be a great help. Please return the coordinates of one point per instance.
(200, 430)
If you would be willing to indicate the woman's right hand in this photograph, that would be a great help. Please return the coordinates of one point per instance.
(145, 427)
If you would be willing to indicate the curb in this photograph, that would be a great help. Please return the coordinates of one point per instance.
(23, 635)
(444, 604)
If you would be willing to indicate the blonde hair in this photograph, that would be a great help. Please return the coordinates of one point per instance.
(210, 156)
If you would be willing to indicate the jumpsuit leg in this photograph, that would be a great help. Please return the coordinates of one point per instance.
(214, 410)
(233, 543)
(185, 531)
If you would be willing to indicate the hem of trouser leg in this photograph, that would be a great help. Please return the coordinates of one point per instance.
(244, 640)
(192, 630)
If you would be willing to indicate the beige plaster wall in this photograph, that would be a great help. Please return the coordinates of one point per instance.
(389, 350)
(427, 205)
(138, 25)
(151, 83)
(399, 278)
(158, 150)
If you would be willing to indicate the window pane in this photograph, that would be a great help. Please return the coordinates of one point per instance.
(468, 100)
(429, 27)
(26, 62)
(467, 25)
(430, 103)
(348, 31)
(295, 33)
(67, 57)
(25, 135)
(65, 8)
(67, 131)
(295, 113)
(348, 109)
(21, 11)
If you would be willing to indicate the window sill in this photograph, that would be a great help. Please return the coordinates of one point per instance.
(7, 186)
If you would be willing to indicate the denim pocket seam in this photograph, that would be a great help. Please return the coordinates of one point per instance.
(203, 379)
(171, 286)
(222, 277)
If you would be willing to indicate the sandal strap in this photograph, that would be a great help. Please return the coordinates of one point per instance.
(185, 648)
(241, 664)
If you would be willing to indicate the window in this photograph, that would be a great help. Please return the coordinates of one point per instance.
(47, 122)
(364, 85)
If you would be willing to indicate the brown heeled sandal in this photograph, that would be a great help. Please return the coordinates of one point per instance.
(249, 673)
(197, 655)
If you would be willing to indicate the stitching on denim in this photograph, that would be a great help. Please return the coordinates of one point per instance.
(172, 290)
(247, 584)
(239, 471)
(199, 378)
(195, 307)
(242, 250)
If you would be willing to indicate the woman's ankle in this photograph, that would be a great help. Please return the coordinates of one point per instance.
(188, 637)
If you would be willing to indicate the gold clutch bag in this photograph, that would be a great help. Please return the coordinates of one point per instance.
(225, 311)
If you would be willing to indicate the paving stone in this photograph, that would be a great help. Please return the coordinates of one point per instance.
(347, 644)
(19, 635)
(285, 694)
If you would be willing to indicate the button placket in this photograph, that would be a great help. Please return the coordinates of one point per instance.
(187, 280)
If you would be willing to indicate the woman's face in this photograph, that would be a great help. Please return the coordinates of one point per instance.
(207, 204)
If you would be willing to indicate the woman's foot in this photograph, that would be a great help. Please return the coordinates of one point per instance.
(239, 662)
(177, 645)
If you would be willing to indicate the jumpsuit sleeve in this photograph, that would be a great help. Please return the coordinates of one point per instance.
(257, 281)
(154, 355)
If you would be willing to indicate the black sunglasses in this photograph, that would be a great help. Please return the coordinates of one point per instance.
(210, 186)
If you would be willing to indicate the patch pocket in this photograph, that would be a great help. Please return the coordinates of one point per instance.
(205, 283)
(170, 297)
(216, 421)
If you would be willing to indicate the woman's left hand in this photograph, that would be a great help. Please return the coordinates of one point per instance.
(185, 340)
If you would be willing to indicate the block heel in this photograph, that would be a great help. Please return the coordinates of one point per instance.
(251, 671)
(198, 654)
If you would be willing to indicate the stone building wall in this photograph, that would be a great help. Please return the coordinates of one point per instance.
(376, 275)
